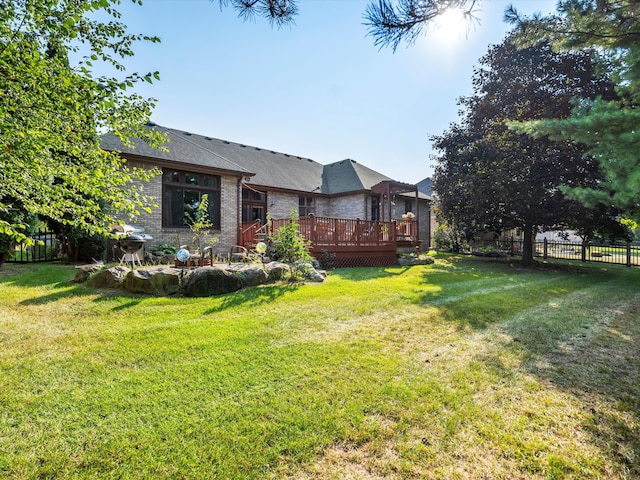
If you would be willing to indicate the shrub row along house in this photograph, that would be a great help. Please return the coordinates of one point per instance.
(345, 208)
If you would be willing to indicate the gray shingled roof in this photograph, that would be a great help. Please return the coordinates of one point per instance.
(348, 176)
(268, 168)
(181, 148)
(426, 186)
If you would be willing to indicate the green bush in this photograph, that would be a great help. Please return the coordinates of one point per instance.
(289, 246)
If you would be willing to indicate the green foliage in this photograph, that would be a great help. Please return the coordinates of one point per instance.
(52, 108)
(609, 127)
(327, 259)
(80, 245)
(449, 238)
(200, 225)
(492, 179)
(23, 225)
(289, 246)
(165, 249)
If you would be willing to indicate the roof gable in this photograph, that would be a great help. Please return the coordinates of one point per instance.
(348, 176)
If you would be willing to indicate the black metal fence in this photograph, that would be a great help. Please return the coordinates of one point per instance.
(621, 254)
(47, 247)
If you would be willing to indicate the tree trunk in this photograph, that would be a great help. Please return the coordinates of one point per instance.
(527, 246)
(2, 258)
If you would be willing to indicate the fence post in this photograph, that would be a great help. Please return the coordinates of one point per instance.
(628, 254)
(545, 249)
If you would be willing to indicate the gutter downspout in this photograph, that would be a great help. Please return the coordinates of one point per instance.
(238, 210)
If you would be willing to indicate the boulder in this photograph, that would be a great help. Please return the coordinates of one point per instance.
(252, 275)
(84, 272)
(410, 261)
(208, 281)
(110, 278)
(314, 275)
(277, 270)
(155, 281)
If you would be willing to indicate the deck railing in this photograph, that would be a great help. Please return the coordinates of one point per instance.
(329, 231)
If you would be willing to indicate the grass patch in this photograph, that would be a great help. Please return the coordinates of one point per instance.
(467, 368)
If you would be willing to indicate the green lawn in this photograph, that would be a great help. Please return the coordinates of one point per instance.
(466, 369)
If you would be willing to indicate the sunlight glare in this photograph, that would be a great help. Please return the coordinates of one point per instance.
(450, 27)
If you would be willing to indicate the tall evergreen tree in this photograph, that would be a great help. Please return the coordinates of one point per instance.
(609, 127)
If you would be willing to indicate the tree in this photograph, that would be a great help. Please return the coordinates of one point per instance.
(609, 127)
(490, 178)
(52, 109)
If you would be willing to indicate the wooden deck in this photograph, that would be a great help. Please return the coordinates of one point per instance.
(346, 242)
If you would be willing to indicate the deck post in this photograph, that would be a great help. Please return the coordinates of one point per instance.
(312, 231)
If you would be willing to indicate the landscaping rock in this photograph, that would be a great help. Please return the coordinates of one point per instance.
(155, 281)
(84, 272)
(110, 278)
(277, 271)
(314, 275)
(208, 281)
(252, 275)
(410, 261)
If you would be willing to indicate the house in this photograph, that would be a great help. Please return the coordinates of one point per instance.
(246, 183)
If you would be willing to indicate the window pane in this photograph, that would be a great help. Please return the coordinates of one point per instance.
(173, 207)
(209, 181)
(257, 196)
(172, 176)
(246, 212)
(214, 209)
(191, 200)
(191, 179)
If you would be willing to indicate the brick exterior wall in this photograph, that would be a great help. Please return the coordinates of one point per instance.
(279, 206)
(152, 223)
(350, 206)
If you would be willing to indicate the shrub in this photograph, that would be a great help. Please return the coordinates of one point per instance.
(289, 246)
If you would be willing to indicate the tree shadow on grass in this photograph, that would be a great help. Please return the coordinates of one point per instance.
(55, 280)
(597, 361)
(360, 274)
(253, 296)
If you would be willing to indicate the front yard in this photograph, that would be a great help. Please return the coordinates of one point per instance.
(464, 369)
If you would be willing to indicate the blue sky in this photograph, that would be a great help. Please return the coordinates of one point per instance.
(318, 89)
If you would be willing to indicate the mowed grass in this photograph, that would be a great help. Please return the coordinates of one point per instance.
(465, 369)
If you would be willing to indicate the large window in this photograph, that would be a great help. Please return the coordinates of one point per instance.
(305, 206)
(182, 193)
